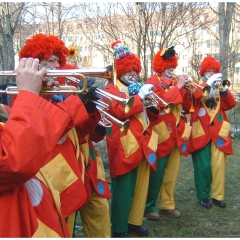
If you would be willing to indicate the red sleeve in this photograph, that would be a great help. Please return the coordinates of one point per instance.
(117, 109)
(27, 138)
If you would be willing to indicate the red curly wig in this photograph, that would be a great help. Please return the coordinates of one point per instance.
(125, 64)
(159, 64)
(43, 46)
(209, 63)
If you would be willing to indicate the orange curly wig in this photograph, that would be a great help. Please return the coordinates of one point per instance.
(43, 46)
(125, 64)
(209, 63)
(159, 64)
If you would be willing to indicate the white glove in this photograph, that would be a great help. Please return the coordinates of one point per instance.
(214, 78)
(145, 90)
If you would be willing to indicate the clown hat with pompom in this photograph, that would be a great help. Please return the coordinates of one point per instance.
(43, 46)
(209, 63)
(127, 62)
(164, 59)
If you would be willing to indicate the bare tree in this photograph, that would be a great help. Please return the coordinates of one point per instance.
(9, 19)
(148, 25)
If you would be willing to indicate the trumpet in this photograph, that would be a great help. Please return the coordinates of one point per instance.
(127, 103)
(155, 101)
(193, 87)
(107, 123)
(222, 85)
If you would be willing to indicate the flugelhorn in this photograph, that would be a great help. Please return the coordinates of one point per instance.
(157, 101)
(105, 118)
(127, 103)
(193, 87)
(222, 85)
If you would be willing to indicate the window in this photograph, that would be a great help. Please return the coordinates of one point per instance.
(237, 70)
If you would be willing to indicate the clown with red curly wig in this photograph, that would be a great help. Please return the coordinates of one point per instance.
(172, 130)
(210, 140)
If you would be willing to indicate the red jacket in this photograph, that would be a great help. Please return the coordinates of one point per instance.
(127, 150)
(212, 124)
(24, 150)
(171, 128)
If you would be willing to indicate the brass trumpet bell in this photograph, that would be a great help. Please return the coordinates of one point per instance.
(107, 123)
(193, 87)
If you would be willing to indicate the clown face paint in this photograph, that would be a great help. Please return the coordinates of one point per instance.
(168, 73)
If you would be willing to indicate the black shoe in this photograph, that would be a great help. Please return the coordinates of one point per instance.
(205, 203)
(138, 230)
(219, 203)
(119, 235)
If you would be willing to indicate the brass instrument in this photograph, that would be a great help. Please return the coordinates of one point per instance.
(155, 101)
(107, 123)
(222, 85)
(193, 87)
(127, 103)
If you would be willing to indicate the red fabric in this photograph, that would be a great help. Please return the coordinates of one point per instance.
(118, 162)
(176, 96)
(212, 132)
(23, 144)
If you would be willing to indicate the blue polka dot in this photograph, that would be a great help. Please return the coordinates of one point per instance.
(220, 142)
(152, 157)
(184, 147)
(100, 187)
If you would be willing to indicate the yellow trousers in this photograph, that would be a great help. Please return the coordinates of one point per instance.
(166, 196)
(96, 218)
(140, 194)
(218, 167)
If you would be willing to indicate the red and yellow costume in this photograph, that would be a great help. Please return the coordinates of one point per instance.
(210, 140)
(95, 213)
(173, 132)
(131, 156)
(31, 206)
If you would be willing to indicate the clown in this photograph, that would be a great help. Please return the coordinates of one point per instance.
(173, 133)
(210, 140)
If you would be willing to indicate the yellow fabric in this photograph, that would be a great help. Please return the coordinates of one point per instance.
(95, 217)
(140, 194)
(59, 167)
(44, 231)
(153, 141)
(225, 129)
(100, 169)
(187, 132)
(71, 222)
(212, 112)
(166, 197)
(218, 166)
(197, 129)
(129, 143)
(162, 131)
(72, 134)
(176, 112)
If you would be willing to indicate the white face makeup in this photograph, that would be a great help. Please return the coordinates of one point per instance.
(130, 76)
(209, 73)
(168, 72)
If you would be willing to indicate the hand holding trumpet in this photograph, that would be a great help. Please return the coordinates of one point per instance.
(182, 81)
(28, 77)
